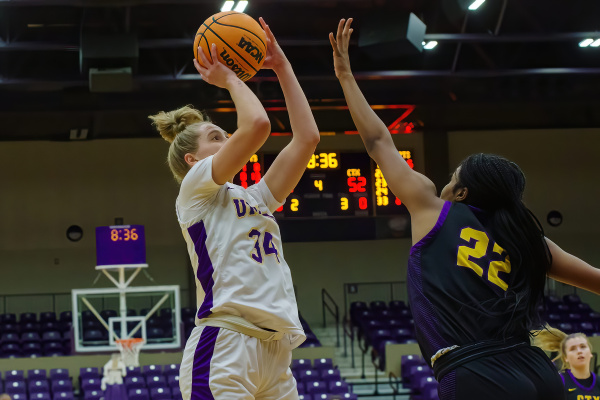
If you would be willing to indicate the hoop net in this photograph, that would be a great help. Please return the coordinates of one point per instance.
(130, 351)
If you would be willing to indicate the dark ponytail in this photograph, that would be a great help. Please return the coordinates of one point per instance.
(496, 185)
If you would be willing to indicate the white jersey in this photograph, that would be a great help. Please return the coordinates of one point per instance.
(235, 248)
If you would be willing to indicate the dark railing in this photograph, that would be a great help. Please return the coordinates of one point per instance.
(394, 290)
(330, 305)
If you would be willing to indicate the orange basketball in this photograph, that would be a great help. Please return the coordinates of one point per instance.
(241, 42)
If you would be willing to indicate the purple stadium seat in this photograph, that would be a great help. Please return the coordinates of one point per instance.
(349, 396)
(30, 337)
(554, 319)
(305, 397)
(430, 392)
(586, 327)
(31, 349)
(563, 309)
(176, 393)
(300, 387)
(40, 386)
(52, 336)
(66, 316)
(571, 299)
(322, 396)
(330, 375)
(301, 364)
(378, 305)
(7, 338)
(321, 364)
(408, 373)
(90, 384)
(566, 327)
(134, 371)
(173, 381)
(61, 385)
(39, 396)
(89, 373)
(383, 315)
(14, 387)
(171, 369)
(156, 381)
(573, 317)
(93, 395)
(52, 349)
(338, 387)
(315, 387)
(134, 382)
(138, 394)
(47, 316)
(417, 376)
(308, 375)
(30, 327)
(582, 308)
(19, 396)
(59, 373)
(152, 370)
(28, 317)
(8, 318)
(160, 393)
(10, 350)
(397, 305)
(63, 396)
(362, 315)
(14, 375)
(36, 374)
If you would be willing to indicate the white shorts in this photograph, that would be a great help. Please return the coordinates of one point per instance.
(222, 364)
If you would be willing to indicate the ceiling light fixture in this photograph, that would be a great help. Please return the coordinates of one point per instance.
(241, 6)
(429, 45)
(228, 6)
(475, 5)
(596, 43)
(586, 42)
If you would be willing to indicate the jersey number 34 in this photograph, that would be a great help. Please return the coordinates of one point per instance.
(479, 250)
(263, 244)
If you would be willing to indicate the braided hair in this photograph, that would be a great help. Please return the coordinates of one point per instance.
(496, 185)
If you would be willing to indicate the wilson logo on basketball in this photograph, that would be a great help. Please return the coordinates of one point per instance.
(239, 71)
(247, 46)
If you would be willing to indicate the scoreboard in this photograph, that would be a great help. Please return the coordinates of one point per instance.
(334, 184)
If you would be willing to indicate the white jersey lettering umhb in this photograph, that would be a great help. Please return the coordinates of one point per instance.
(235, 248)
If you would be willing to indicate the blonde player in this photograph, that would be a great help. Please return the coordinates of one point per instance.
(247, 320)
(575, 354)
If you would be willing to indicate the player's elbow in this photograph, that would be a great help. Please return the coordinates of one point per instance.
(262, 125)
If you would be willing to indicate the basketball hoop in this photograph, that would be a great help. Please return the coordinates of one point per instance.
(130, 351)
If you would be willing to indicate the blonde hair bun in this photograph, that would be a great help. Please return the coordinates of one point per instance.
(170, 124)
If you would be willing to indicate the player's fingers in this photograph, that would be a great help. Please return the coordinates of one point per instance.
(347, 26)
(340, 30)
(203, 58)
(213, 52)
(333, 43)
(201, 70)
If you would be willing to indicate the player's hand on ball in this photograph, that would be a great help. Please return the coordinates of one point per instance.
(214, 72)
(340, 43)
(275, 57)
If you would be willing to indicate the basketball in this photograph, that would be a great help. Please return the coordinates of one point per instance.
(241, 42)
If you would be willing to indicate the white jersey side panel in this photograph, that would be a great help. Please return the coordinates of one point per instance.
(235, 248)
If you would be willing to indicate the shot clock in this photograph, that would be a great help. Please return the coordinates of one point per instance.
(120, 245)
(334, 184)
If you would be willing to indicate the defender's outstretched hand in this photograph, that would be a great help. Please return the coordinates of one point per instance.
(215, 72)
(275, 57)
(340, 43)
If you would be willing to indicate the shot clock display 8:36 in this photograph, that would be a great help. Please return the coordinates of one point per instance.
(120, 245)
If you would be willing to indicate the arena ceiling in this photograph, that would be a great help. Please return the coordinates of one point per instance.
(509, 64)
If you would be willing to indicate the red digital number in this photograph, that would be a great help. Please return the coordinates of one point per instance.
(398, 202)
(357, 184)
(362, 203)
